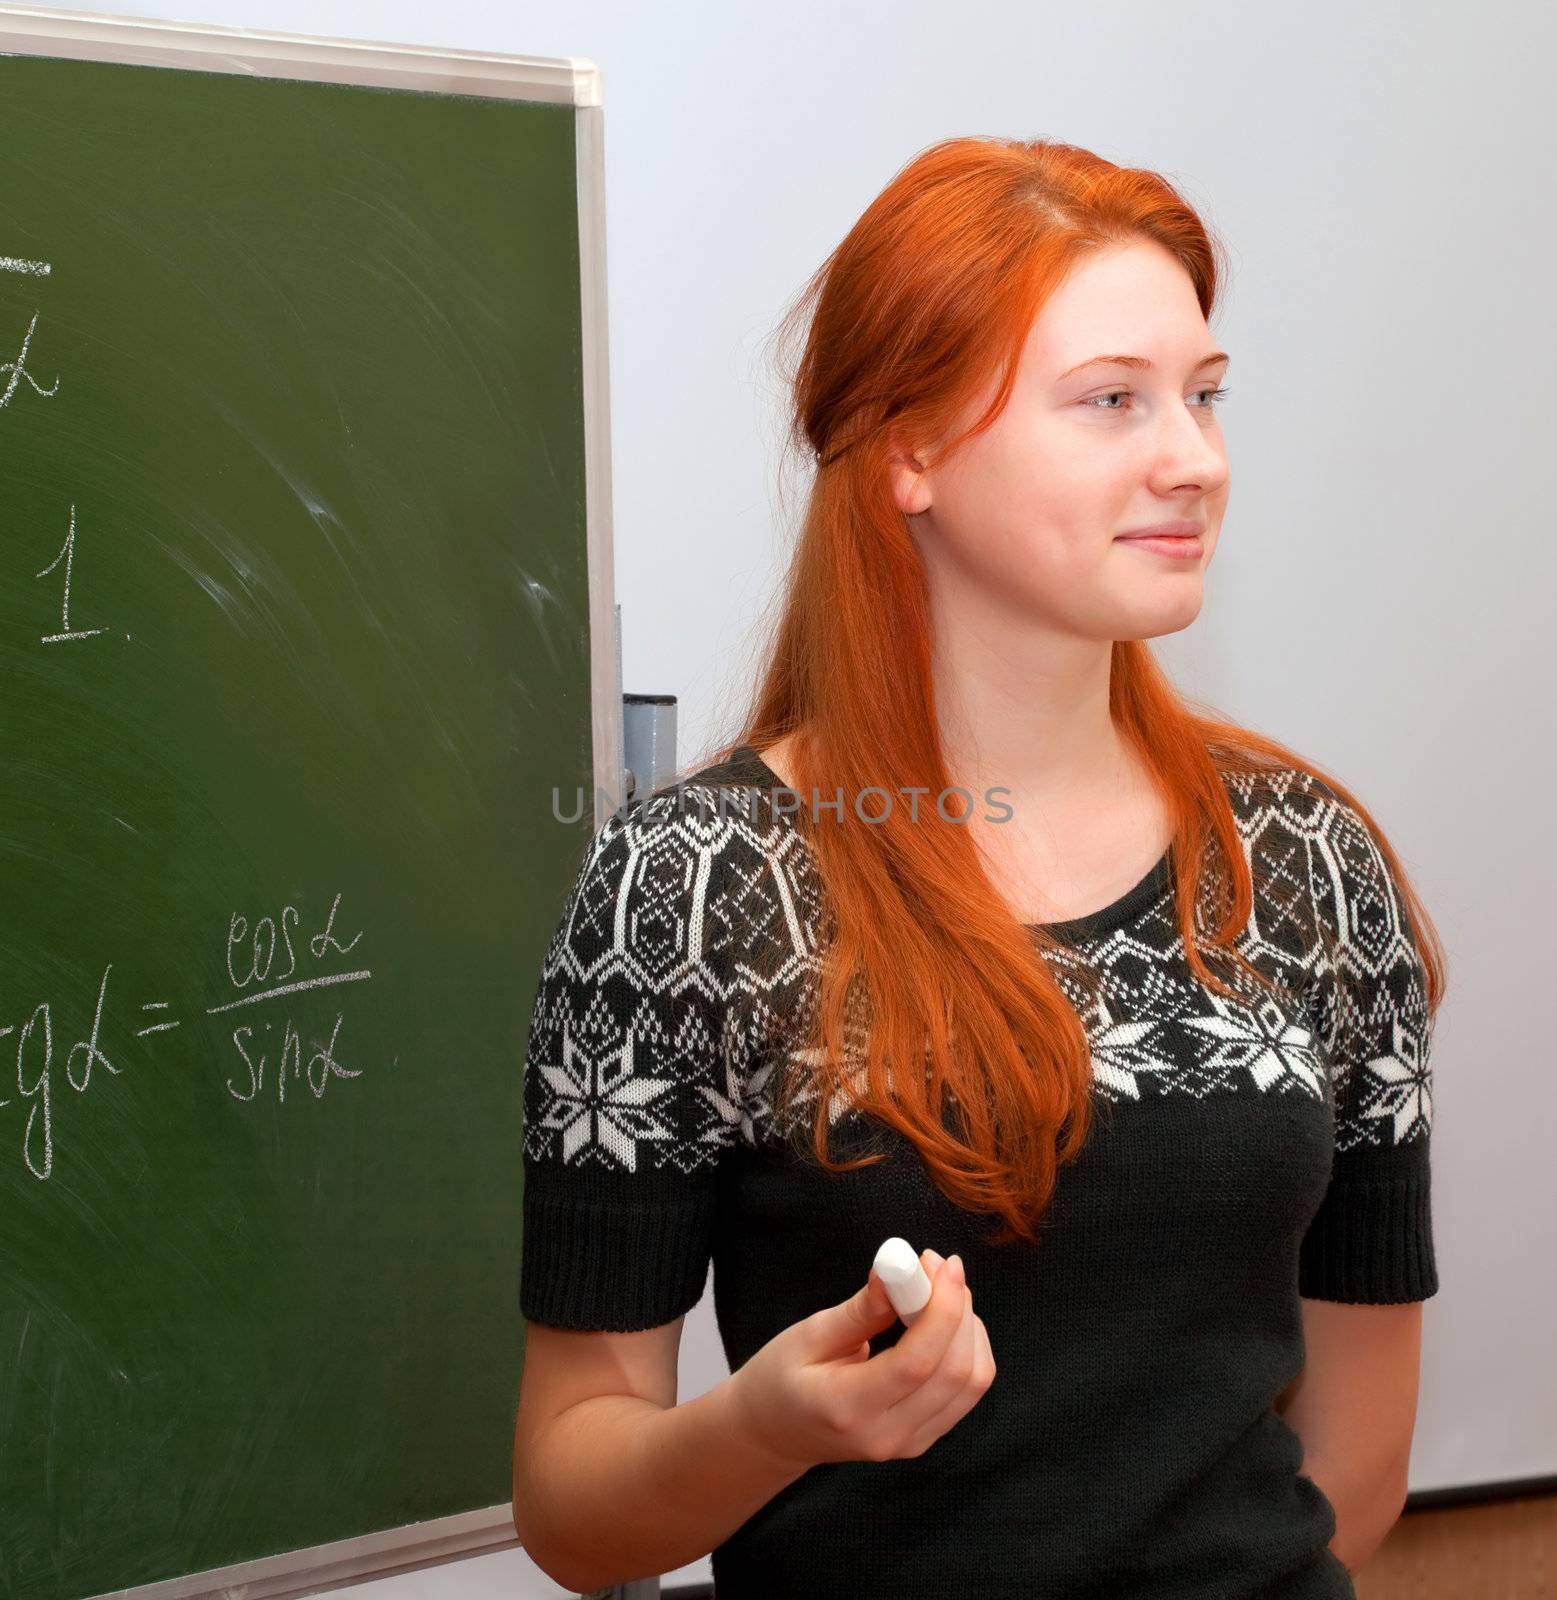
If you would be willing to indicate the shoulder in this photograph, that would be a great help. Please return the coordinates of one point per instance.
(1347, 856)
(663, 974)
(1317, 853)
(1294, 812)
(738, 813)
(1292, 795)
(1319, 869)
(674, 880)
(629, 1015)
(639, 898)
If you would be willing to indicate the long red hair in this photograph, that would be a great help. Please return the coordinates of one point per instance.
(932, 292)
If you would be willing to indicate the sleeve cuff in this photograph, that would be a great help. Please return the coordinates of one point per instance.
(611, 1266)
(1371, 1242)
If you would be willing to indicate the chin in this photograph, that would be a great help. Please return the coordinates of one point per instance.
(1153, 622)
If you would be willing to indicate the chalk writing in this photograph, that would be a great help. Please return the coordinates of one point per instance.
(18, 370)
(14, 372)
(321, 1064)
(156, 1027)
(38, 1089)
(265, 938)
(67, 552)
(251, 960)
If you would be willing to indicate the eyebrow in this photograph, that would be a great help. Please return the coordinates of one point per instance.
(1140, 362)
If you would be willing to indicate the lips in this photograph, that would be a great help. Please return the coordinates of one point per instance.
(1169, 529)
(1184, 546)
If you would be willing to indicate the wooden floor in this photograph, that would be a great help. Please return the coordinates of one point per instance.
(1505, 1550)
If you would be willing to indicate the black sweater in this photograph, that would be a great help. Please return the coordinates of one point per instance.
(1244, 1154)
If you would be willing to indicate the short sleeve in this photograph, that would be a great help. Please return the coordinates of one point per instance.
(627, 1107)
(1371, 1241)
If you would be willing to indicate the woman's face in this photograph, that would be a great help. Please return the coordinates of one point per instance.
(1026, 519)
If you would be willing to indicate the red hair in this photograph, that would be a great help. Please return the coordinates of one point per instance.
(931, 294)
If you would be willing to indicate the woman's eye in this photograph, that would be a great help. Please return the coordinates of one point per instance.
(1121, 394)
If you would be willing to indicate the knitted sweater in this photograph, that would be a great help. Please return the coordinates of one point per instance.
(1244, 1154)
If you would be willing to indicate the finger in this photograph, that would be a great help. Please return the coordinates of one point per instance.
(844, 1331)
(913, 1361)
(967, 1397)
(950, 1377)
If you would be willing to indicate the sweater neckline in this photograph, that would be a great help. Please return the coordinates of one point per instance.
(745, 764)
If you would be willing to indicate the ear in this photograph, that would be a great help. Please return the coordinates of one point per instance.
(909, 478)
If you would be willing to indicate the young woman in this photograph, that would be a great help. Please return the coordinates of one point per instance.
(979, 934)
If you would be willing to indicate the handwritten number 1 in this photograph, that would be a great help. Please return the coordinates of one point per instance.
(68, 552)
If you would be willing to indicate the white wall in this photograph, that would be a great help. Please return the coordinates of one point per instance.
(1382, 175)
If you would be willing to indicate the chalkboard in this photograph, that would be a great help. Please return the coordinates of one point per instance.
(300, 639)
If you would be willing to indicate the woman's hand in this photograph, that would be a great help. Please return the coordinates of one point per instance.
(815, 1393)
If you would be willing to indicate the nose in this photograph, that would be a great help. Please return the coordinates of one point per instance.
(1190, 453)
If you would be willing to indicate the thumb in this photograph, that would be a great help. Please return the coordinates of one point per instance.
(846, 1328)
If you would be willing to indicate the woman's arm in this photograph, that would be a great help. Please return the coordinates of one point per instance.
(1354, 1408)
(618, 1487)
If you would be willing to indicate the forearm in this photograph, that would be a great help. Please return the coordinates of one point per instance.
(621, 1488)
(1366, 1508)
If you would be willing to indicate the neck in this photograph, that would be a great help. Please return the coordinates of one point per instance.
(1033, 718)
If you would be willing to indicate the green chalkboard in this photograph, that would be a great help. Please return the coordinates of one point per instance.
(295, 635)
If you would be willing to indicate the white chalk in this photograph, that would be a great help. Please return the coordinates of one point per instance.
(907, 1285)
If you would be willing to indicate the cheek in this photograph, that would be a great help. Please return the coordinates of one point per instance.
(1035, 561)
(1018, 516)
(1028, 540)
(1054, 505)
